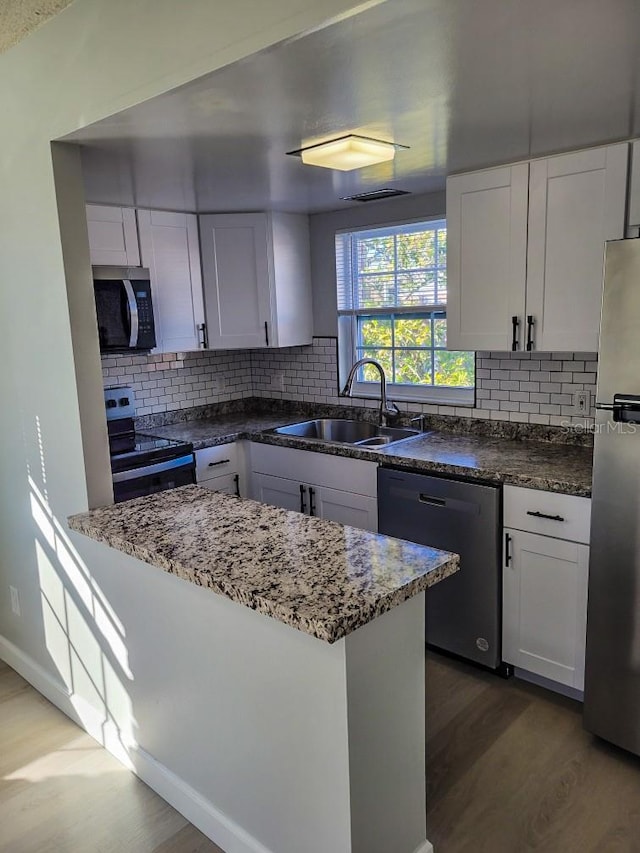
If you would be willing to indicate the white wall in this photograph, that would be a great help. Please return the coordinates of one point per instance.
(323, 227)
(97, 57)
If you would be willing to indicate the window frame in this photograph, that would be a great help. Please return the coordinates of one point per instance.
(348, 332)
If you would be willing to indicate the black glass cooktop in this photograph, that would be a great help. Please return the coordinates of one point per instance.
(121, 445)
(131, 450)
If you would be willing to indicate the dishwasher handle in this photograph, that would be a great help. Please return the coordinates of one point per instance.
(429, 499)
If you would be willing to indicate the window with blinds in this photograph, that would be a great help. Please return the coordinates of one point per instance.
(392, 304)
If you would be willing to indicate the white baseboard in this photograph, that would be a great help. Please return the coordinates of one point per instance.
(55, 691)
(231, 837)
(192, 805)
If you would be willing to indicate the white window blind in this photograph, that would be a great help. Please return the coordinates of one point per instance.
(392, 299)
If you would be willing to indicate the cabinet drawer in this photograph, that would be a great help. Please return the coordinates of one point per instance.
(548, 513)
(216, 461)
(319, 469)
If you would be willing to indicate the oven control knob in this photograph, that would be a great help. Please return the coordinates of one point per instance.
(124, 401)
(111, 404)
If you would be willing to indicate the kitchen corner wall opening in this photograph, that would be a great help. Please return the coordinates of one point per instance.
(392, 307)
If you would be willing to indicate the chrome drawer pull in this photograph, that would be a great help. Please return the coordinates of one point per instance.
(544, 515)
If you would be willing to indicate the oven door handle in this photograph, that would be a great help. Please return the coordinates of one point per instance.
(133, 313)
(158, 468)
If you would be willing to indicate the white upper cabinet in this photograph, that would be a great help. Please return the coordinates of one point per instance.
(634, 192)
(169, 248)
(113, 235)
(576, 203)
(257, 282)
(486, 256)
(526, 251)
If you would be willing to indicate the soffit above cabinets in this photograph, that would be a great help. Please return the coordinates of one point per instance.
(465, 84)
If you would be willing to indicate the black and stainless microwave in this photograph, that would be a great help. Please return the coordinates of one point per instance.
(124, 308)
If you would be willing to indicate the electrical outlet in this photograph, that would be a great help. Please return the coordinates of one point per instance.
(15, 600)
(277, 380)
(581, 402)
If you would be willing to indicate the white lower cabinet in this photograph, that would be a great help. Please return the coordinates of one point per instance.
(278, 491)
(331, 487)
(545, 582)
(221, 468)
(545, 606)
(344, 507)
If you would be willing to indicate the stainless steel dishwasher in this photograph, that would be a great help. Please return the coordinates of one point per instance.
(464, 612)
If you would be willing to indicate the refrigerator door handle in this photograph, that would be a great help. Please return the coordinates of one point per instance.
(625, 407)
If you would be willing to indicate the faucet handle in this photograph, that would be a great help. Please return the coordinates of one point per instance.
(419, 419)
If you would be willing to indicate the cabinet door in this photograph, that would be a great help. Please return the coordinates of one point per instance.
(344, 507)
(545, 606)
(113, 235)
(278, 491)
(227, 483)
(576, 202)
(169, 247)
(486, 258)
(237, 273)
(634, 191)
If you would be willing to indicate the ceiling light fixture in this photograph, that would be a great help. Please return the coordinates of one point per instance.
(347, 152)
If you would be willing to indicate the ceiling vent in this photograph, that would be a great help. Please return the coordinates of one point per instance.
(374, 195)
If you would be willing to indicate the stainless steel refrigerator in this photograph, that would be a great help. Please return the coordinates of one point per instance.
(612, 678)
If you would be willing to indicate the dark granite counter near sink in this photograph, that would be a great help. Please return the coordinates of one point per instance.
(542, 465)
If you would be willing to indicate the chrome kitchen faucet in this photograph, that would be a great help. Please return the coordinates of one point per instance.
(387, 408)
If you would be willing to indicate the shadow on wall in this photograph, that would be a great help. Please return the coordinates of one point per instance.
(83, 635)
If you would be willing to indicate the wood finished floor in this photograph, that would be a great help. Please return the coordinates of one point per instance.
(60, 792)
(510, 770)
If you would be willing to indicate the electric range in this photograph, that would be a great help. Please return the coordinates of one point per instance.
(142, 464)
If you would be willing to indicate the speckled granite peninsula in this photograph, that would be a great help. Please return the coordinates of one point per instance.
(314, 575)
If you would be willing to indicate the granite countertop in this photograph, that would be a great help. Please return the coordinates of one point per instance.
(314, 575)
(209, 432)
(532, 464)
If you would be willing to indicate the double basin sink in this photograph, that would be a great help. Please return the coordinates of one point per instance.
(356, 433)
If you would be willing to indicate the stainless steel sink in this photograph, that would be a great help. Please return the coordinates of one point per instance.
(343, 431)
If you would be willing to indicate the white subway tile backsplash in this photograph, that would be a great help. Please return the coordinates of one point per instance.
(524, 387)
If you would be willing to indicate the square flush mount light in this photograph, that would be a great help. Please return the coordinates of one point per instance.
(347, 152)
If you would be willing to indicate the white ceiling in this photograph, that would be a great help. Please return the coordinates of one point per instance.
(464, 83)
(20, 17)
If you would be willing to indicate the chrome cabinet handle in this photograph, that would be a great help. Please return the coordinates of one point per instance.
(312, 506)
(236, 480)
(303, 505)
(204, 341)
(266, 332)
(221, 462)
